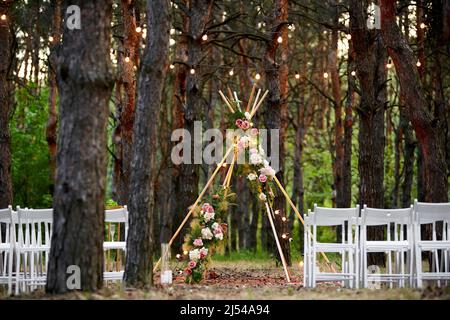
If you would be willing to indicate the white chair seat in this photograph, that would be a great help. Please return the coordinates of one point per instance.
(334, 247)
(110, 245)
(42, 248)
(330, 276)
(115, 275)
(375, 246)
(5, 246)
(435, 275)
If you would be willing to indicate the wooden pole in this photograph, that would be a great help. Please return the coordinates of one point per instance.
(226, 101)
(256, 100)
(211, 179)
(300, 217)
(251, 98)
(283, 260)
(259, 103)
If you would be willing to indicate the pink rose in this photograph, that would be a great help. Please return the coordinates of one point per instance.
(254, 132)
(245, 125)
(262, 178)
(198, 242)
(188, 271)
(192, 264)
(210, 209)
(239, 122)
(205, 206)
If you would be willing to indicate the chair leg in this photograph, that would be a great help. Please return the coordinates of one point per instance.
(389, 254)
(419, 268)
(436, 264)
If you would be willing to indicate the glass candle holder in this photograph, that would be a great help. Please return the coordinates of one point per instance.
(166, 272)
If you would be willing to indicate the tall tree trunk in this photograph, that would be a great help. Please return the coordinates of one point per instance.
(123, 133)
(348, 132)
(427, 129)
(6, 192)
(370, 60)
(275, 114)
(177, 212)
(139, 265)
(199, 15)
(52, 120)
(85, 82)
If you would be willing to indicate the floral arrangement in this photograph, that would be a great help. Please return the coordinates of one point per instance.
(207, 229)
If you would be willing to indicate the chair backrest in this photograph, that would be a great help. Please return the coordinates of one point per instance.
(334, 216)
(427, 213)
(5, 220)
(118, 216)
(378, 217)
(35, 226)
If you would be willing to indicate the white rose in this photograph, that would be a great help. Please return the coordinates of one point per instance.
(262, 197)
(255, 159)
(219, 236)
(252, 176)
(248, 116)
(208, 216)
(194, 254)
(207, 234)
(268, 171)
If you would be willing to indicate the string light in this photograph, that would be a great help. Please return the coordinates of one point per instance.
(423, 25)
(172, 66)
(325, 75)
(50, 38)
(418, 64)
(349, 37)
(353, 73)
(280, 39)
(283, 219)
(257, 76)
(3, 17)
(205, 37)
(297, 75)
(284, 236)
(192, 71)
(231, 72)
(127, 59)
(389, 64)
(138, 29)
(178, 256)
(277, 211)
(171, 42)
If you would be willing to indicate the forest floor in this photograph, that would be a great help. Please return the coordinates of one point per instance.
(250, 280)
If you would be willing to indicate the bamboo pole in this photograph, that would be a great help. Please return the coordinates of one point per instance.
(283, 260)
(226, 101)
(230, 173)
(300, 217)
(251, 98)
(256, 101)
(259, 103)
(191, 210)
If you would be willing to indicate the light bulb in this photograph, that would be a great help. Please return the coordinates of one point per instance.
(138, 29)
(3, 17)
(277, 211)
(192, 71)
(325, 75)
(50, 38)
(353, 73)
(297, 76)
(172, 66)
(280, 39)
(423, 25)
(257, 76)
(284, 236)
(418, 64)
(178, 256)
(127, 59)
(171, 42)
(205, 37)
(231, 72)
(283, 219)
(349, 37)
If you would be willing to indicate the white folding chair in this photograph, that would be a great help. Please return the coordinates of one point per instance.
(115, 218)
(307, 233)
(396, 244)
(7, 241)
(433, 214)
(32, 247)
(347, 218)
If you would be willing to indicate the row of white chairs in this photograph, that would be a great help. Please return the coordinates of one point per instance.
(25, 239)
(403, 245)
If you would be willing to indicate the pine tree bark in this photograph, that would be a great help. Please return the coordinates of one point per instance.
(52, 121)
(427, 129)
(123, 133)
(85, 82)
(139, 265)
(370, 60)
(6, 51)
(275, 113)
